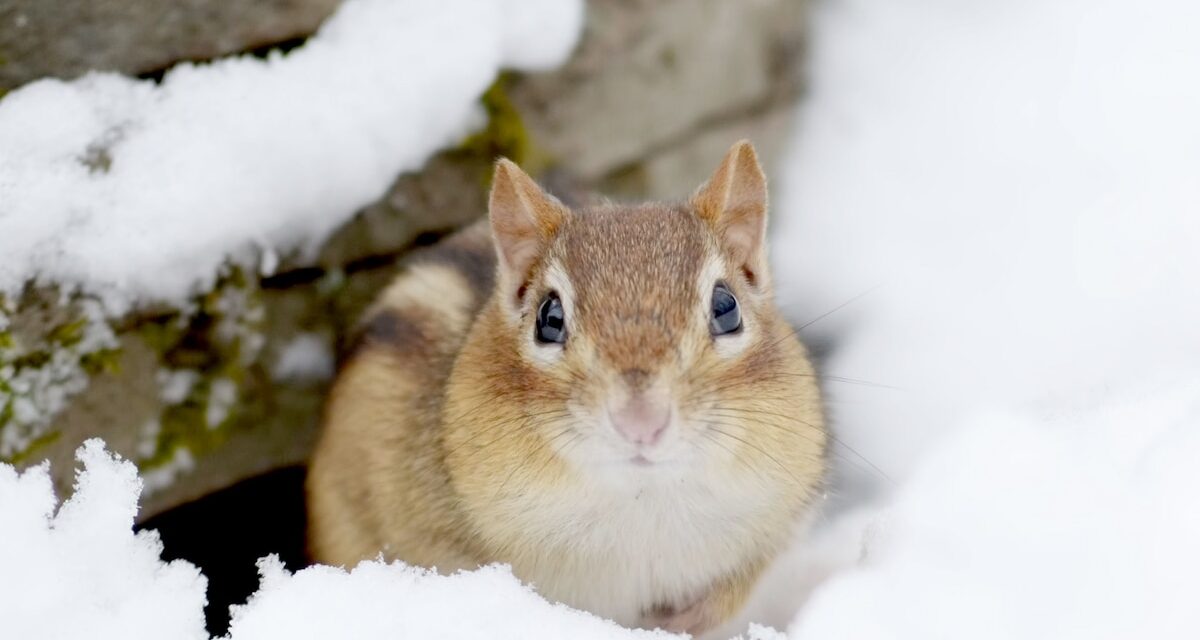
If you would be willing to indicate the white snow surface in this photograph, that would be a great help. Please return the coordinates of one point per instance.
(378, 600)
(1012, 185)
(1011, 189)
(1069, 524)
(79, 572)
(136, 191)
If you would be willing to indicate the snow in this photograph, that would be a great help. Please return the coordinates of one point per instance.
(137, 191)
(83, 573)
(306, 358)
(1012, 185)
(1076, 525)
(80, 571)
(378, 600)
(1006, 193)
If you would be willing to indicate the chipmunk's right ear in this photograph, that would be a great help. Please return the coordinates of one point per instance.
(734, 202)
(524, 219)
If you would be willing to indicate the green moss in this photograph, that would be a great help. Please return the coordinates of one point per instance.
(101, 362)
(505, 133)
(6, 409)
(218, 344)
(36, 445)
(185, 425)
(162, 334)
(67, 334)
(47, 357)
(32, 360)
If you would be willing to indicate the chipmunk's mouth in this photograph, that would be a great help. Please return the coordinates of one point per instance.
(641, 461)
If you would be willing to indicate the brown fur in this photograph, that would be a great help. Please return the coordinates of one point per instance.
(446, 445)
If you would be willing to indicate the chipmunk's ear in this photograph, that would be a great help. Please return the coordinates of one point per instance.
(524, 218)
(734, 202)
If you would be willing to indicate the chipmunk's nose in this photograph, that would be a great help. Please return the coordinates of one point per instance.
(642, 421)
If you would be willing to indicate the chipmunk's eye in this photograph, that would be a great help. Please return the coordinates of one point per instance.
(551, 327)
(726, 316)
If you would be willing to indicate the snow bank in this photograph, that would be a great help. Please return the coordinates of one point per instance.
(134, 190)
(1012, 186)
(378, 600)
(1073, 524)
(1015, 185)
(81, 572)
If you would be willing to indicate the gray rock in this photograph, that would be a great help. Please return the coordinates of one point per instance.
(66, 38)
(654, 75)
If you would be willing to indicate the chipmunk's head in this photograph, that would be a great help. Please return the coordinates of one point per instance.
(645, 336)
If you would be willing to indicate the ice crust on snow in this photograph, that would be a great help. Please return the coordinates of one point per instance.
(134, 190)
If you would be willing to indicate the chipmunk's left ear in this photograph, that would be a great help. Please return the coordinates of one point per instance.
(734, 202)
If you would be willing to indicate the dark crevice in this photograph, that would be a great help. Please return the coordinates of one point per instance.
(308, 275)
(226, 532)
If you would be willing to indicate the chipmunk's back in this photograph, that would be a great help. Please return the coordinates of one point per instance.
(382, 416)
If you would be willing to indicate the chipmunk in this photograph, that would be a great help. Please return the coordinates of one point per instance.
(605, 399)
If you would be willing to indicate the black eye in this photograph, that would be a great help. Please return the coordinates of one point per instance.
(551, 327)
(726, 317)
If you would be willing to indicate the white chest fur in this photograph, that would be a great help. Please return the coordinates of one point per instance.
(619, 545)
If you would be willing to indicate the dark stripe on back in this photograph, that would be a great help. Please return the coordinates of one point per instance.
(408, 332)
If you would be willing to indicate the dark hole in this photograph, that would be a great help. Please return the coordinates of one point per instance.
(224, 533)
(427, 238)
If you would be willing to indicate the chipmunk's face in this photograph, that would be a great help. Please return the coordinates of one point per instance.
(646, 336)
(642, 329)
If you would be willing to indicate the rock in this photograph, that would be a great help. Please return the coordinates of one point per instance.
(67, 38)
(652, 77)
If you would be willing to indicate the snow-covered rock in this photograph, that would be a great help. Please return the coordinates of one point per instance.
(134, 190)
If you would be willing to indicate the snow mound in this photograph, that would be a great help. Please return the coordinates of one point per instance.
(1071, 523)
(1012, 185)
(995, 203)
(378, 600)
(81, 572)
(1077, 523)
(134, 190)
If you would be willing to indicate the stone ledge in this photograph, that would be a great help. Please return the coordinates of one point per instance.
(67, 38)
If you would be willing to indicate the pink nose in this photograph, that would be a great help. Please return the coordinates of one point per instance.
(641, 421)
